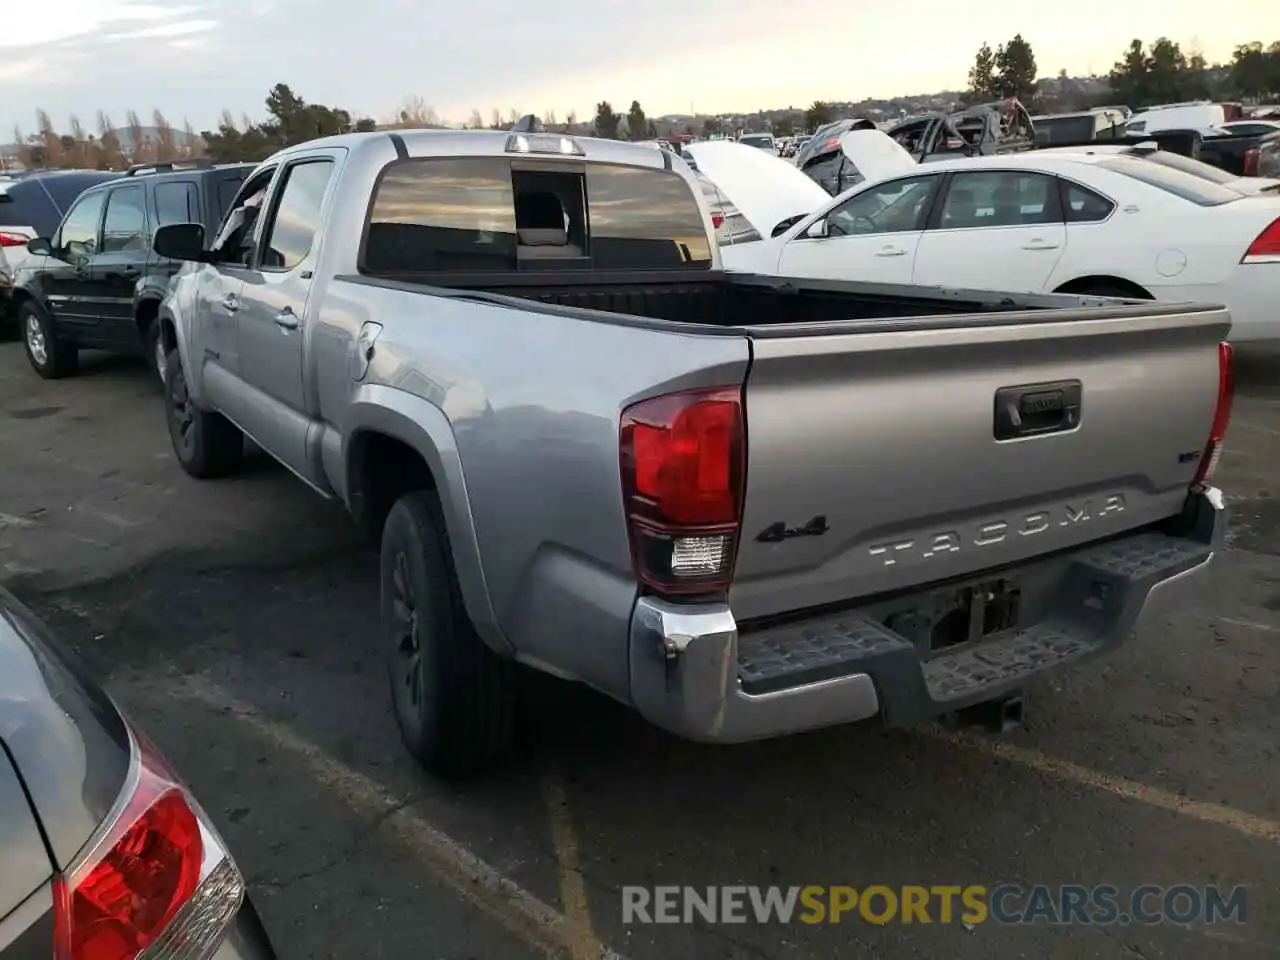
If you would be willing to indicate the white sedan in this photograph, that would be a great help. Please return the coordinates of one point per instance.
(1091, 223)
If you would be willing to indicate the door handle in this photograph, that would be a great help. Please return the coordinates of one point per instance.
(130, 272)
(286, 319)
(231, 302)
(891, 252)
(1040, 245)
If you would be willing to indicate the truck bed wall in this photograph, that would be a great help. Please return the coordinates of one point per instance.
(719, 300)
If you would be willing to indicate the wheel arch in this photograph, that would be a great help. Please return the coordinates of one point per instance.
(396, 442)
(1094, 281)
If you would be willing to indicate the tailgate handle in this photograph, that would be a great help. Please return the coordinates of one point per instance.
(1036, 409)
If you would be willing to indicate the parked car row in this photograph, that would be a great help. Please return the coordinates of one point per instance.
(88, 276)
(1107, 221)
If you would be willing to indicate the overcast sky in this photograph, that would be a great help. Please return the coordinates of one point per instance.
(193, 58)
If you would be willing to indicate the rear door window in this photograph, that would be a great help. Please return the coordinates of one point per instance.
(999, 199)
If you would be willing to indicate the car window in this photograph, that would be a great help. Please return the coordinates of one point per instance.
(296, 220)
(893, 207)
(442, 215)
(226, 193)
(26, 205)
(125, 228)
(78, 236)
(644, 219)
(1196, 168)
(1183, 185)
(1083, 205)
(999, 198)
(177, 202)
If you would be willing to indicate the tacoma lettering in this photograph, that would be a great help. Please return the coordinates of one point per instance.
(998, 531)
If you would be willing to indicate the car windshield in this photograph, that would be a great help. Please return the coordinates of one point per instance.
(1184, 185)
(756, 140)
(1064, 129)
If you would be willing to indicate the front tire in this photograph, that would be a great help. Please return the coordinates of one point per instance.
(157, 352)
(454, 698)
(52, 358)
(206, 444)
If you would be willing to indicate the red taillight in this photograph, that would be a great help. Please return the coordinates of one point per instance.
(12, 239)
(1221, 415)
(717, 220)
(1267, 244)
(155, 875)
(1252, 159)
(683, 475)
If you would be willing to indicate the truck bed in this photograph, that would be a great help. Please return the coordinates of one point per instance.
(734, 301)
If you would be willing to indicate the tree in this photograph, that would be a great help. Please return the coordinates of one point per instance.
(550, 122)
(982, 75)
(495, 120)
(109, 155)
(1255, 71)
(1166, 71)
(784, 126)
(81, 154)
(52, 154)
(637, 122)
(416, 114)
(192, 146)
(817, 114)
(366, 125)
(166, 148)
(139, 143)
(570, 121)
(1196, 85)
(476, 122)
(1015, 65)
(1130, 80)
(607, 122)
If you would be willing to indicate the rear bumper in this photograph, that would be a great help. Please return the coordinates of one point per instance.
(695, 674)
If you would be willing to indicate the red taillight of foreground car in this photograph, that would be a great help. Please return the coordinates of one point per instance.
(717, 220)
(1266, 247)
(683, 458)
(1221, 416)
(12, 239)
(154, 879)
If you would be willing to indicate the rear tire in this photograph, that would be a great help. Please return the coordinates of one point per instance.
(206, 444)
(454, 698)
(52, 358)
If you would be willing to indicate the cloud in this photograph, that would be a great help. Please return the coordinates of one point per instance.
(194, 58)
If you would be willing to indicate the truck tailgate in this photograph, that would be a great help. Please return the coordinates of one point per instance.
(873, 458)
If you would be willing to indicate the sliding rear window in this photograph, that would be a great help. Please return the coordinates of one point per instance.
(492, 214)
(1187, 186)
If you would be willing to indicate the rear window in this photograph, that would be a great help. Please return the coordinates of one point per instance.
(477, 215)
(24, 204)
(1177, 182)
(1196, 168)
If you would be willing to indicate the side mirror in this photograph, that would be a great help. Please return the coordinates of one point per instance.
(818, 230)
(40, 247)
(785, 225)
(181, 241)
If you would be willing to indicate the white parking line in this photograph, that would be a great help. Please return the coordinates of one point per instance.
(1248, 824)
(584, 944)
(540, 926)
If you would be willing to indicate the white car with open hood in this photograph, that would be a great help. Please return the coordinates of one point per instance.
(1086, 222)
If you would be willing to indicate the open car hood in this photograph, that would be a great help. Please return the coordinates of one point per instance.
(876, 155)
(765, 189)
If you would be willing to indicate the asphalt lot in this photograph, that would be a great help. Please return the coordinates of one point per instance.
(234, 620)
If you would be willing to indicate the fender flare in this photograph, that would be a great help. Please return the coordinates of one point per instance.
(423, 427)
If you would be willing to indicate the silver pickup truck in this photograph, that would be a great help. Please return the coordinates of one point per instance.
(745, 506)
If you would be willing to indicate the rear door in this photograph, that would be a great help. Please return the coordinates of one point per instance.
(25, 866)
(872, 236)
(890, 435)
(993, 230)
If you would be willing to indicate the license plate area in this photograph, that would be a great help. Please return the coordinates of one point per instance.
(965, 615)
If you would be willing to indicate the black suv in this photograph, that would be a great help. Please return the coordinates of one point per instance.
(96, 282)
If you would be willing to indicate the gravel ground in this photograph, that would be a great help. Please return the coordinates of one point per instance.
(234, 621)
